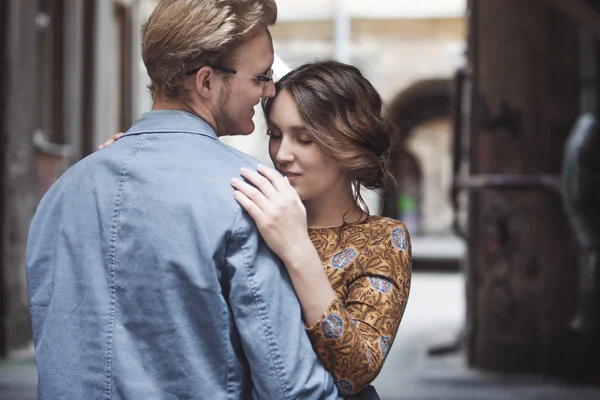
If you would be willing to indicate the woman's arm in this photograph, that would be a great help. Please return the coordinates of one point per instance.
(356, 335)
(281, 219)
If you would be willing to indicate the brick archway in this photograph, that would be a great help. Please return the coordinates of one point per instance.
(422, 102)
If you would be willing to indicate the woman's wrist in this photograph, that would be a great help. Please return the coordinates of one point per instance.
(300, 255)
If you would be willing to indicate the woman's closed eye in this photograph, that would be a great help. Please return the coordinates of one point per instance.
(273, 134)
(302, 138)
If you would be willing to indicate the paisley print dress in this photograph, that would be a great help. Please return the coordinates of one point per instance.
(369, 267)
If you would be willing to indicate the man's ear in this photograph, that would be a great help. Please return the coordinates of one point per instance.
(205, 82)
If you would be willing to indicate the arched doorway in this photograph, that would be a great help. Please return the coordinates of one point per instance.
(422, 161)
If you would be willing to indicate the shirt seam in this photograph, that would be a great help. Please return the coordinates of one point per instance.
(229, 391)
(260, 305)
(167, 130)
(111, 270)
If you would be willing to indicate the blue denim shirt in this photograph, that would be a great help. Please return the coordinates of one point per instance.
(148, 281)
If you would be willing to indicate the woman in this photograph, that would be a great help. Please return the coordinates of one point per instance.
(351, 271)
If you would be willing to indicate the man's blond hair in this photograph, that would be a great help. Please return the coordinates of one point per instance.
(181, 35)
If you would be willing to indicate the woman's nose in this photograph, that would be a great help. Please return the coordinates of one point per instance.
(284, 153)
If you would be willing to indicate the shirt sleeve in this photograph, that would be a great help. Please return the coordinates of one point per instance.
(354, 336)
(268, 317)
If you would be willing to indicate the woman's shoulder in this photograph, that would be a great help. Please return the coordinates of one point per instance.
(377, 223)
(378, 220)
(388, 232)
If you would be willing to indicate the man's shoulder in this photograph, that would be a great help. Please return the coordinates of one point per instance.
(242, 159)
(190, 137)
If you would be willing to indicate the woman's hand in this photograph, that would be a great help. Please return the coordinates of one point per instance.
(281, 219)
(111, 140)
(277, 210)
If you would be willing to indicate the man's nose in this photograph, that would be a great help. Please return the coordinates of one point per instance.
(269, 89)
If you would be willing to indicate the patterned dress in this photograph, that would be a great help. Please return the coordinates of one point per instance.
(369, 267)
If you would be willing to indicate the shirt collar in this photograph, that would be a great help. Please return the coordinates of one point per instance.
(177, 121)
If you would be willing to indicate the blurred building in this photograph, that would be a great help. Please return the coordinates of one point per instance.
(71, 78)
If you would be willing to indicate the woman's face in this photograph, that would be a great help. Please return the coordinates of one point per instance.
(297, 156)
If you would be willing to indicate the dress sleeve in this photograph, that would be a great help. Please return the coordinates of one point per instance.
(354, 335)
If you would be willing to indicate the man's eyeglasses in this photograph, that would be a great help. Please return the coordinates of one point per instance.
(266, 77)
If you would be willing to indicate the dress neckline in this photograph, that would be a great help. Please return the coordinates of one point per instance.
(367, 221)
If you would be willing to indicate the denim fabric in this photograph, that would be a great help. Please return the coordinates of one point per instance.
(148, 281)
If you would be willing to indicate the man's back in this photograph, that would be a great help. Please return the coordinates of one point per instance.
(147, 281)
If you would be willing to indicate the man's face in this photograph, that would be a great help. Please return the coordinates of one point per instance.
(234, 107)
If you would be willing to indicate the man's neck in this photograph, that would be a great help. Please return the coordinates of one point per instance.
(200, 112)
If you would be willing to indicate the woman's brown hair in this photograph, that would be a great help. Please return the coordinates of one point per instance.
(343, 113)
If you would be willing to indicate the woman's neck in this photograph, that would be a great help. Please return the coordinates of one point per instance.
(332, 211)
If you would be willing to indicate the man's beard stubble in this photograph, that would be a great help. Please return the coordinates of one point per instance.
(223, 118)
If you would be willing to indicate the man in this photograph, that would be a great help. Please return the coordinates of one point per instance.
(146, 279)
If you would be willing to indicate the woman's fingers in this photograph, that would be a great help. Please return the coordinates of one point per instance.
(262, 183)
(280, 182)
(251, 193)
(279, 214)
(248, 205)
(115, 137)
(271, 192)
(109, 141)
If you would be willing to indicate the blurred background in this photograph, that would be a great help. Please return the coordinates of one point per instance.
(496, 108)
